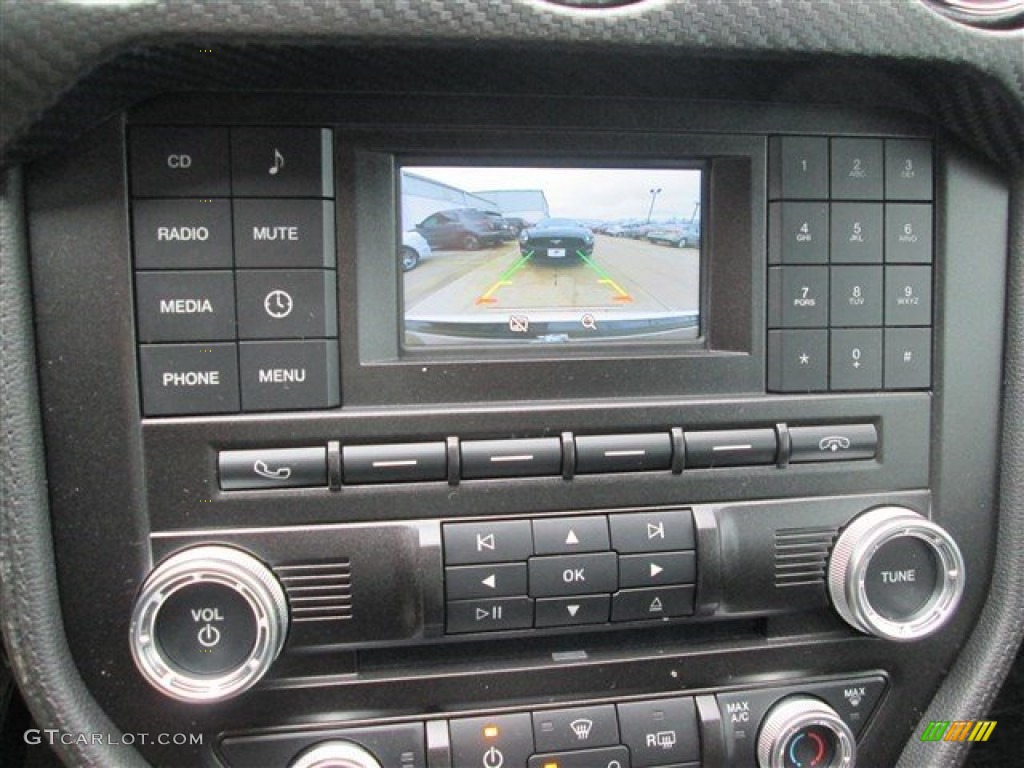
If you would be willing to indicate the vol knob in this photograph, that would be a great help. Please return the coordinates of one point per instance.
(895, 574)
(208, 623)
(804, 732)
(335, 754)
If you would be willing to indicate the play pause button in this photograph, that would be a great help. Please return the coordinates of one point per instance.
(489, 615)
(568, 612)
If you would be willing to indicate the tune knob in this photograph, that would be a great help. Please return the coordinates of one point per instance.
(895, 574)
(208, 623)
(803, 732)
(335, 754)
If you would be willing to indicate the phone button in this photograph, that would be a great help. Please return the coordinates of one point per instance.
(272, 468)
(845, 442)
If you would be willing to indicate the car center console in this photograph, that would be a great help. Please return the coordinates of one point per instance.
(678, 452)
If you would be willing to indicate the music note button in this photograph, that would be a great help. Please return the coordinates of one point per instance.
(282, 162)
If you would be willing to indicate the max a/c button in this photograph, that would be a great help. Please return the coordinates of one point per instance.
(182, 379)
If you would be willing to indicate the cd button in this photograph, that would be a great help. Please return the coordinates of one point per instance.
(652, 604)
(577, 728)
(572, 611)
(487, 542)
(500, 614)
(272, 468)
(657, 569)
(652, 531)
(511, 458)
(730, 448)
(568, 535)
(498, 580)
(179, 162)
(573, 574)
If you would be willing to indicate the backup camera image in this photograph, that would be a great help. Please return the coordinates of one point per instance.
(545, 255)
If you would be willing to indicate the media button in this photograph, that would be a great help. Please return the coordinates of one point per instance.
(500, 614)
(272, 468)
(573, 611)
(573, 574)
(578, 728)
(670, 529)
(182, 234)
(501, 741)
(487, 542)
(185, 306)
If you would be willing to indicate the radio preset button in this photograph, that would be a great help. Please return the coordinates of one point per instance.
(568, 535)
(185, 306)
(180, 379)
(511, 458)
(500, 614)
(908, 233)
(289, 375)
(798, 361)
(606, 757)
(652, 531)
(730, 448)
(799, 166)
(856, 360)
(182, 234)
(573, 611)
(856, 233)
(857, 169)
(501, 741)
(398, 463)
(272, 468)
(573, 574)
(623, 453)
(499, 580)
(555, 730)
(660, 732)
(798, 297)
(652, 603)
(282, 162)
(487, 542)
(657, 570)
(284, 233)
(179, 162)
(908, 169)
(799, 233)
(840, 442)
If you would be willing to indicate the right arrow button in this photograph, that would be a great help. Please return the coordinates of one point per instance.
(659, 569)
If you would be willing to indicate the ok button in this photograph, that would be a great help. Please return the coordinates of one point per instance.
(573, 574)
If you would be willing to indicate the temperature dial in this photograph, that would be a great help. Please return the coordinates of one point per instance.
(208, 623)
(803, 732)
(335, 754)
(895, 574)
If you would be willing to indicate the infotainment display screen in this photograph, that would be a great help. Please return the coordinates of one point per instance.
(549, 255)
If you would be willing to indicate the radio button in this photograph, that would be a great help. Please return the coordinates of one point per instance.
(289, 375)
(798, 361)
(908, 358)
(856, 233)
(573, 611)
(658, 569)
(908, 233)
(661, 732)
(799, 166)
(179, 162)
(608, 757)
(398, 463)
(799, 233)
(182, 234)
(180, 379)
(500, 741)
(486, 542)
(652, 531)
(845, 442)
(908, 296)
(284, 233)
(652, 604)
(857, 172)
(185, 306)
(573, 574)
(287, 304)
(485, 581)
(489, 615)
(856, 363)
(511, 458)
(798, 297)
(730, 448)
(623, 453)
(908, 169)
(579, 728)
(272, 468)
(568, 535)
(282, 162)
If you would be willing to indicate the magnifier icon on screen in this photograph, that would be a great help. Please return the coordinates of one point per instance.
(588, 322)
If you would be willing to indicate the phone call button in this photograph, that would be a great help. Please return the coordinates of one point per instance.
(272, 468)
